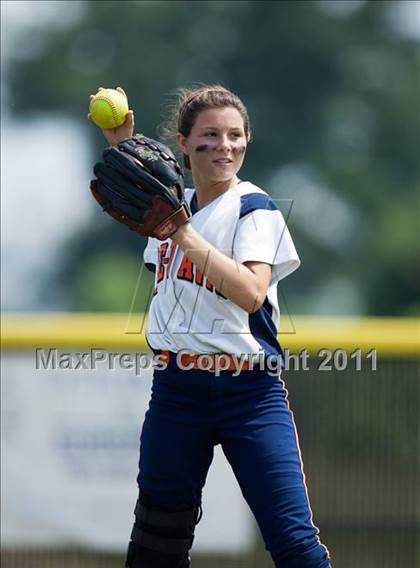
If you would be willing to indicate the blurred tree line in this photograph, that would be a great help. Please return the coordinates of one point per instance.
(333, 97)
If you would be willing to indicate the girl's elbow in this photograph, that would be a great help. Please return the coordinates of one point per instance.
(254, 303)
(250, 298)
(255, 308)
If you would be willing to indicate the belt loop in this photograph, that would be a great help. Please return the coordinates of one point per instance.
(212, 362)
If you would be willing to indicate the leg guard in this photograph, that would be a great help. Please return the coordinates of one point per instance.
(161, 538)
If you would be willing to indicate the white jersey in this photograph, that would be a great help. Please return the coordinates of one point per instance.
(186, 312)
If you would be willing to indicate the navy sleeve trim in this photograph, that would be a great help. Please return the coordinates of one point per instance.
(150, 267)
(264, 330)
(193, 204)
(252, 201)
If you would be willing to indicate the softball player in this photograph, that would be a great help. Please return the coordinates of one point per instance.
(215, 294)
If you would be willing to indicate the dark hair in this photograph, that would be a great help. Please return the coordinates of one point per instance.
(190, 102)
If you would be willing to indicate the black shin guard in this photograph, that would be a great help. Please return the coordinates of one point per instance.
(161, 538)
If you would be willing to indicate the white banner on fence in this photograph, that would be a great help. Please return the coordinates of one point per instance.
(69, 461)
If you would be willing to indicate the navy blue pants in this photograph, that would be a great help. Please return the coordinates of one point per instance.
(192, 411)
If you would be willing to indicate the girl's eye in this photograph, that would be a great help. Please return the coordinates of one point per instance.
(213, 134)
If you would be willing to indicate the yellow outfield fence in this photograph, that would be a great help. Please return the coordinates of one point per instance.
(389, 336)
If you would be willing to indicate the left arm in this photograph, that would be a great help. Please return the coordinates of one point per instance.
(244, 284)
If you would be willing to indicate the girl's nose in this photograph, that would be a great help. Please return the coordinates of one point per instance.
(223, 143)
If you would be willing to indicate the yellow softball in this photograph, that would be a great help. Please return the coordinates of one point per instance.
(108, 108)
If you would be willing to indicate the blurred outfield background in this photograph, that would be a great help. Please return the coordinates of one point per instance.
(333, 92)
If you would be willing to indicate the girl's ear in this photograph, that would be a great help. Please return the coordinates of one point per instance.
(181, 141)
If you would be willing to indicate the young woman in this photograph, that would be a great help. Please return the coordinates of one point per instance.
(214, 318)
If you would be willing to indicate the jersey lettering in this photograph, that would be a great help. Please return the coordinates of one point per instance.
(189, 272)
(164, 260)
(186, 270)
(199, 277)
(171, 257)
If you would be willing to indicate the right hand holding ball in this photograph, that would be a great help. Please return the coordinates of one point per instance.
(109, 110)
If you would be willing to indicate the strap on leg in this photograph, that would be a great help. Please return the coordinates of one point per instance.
(166, 535)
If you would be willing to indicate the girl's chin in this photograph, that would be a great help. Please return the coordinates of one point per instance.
(216, 174)
(221, 178)
(222, 174)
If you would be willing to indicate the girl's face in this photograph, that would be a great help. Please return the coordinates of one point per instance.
(216, 144)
